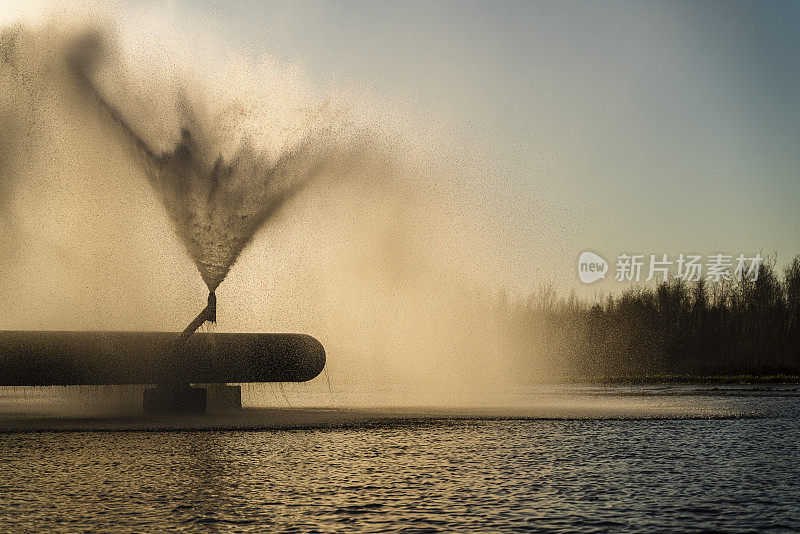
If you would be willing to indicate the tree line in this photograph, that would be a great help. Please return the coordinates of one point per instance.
(674, 328)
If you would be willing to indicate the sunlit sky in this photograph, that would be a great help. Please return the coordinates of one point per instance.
(651, 127)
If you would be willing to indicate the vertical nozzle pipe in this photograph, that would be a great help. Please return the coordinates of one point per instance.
(209, 313)
(211, 309)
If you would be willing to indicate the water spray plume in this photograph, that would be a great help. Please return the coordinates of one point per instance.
(217, 204)
(107, 140)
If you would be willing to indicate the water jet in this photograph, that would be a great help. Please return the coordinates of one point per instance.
(217, 200)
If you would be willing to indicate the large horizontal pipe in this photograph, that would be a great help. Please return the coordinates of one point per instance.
(85, 358)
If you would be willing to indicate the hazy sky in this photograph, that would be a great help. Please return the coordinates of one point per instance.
(651, 127)
(677, 124)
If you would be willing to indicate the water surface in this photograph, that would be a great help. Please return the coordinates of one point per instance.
(425, 473)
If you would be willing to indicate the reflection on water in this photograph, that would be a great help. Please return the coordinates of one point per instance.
(478, 475)
(575, 401)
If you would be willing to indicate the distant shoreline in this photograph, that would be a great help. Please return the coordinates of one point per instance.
(684, 379)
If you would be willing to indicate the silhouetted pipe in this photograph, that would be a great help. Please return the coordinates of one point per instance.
(75, 358)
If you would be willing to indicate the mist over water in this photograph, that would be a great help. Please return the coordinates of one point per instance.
(110, 149)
